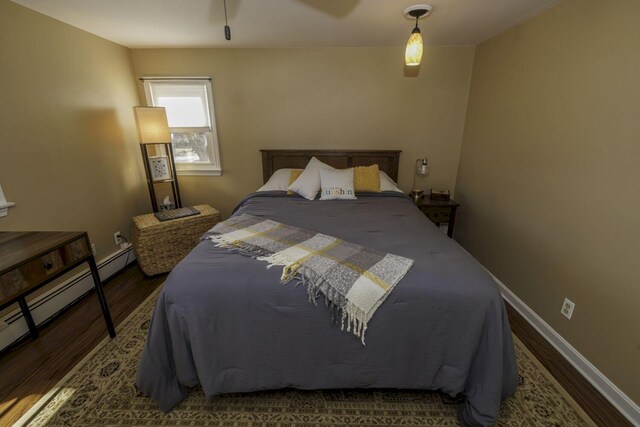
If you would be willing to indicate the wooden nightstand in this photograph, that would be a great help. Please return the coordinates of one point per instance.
(440, 212)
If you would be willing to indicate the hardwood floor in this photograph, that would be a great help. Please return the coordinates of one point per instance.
(31, 368)
(590, 400)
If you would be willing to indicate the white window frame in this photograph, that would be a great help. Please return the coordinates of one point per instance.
(213, 167)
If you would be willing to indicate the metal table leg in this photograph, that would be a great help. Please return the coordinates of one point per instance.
(33, 329)
(103, 301)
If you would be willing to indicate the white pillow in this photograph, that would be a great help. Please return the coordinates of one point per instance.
(336, 184)
(387, 184)
(279, 181)
(308, 183)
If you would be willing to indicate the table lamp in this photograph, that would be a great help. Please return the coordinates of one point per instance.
(421, 171)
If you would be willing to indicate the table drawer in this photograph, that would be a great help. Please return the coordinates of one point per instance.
(40, 268)
(36, 271)
(12, 284)
(438, 215)
(75, 251)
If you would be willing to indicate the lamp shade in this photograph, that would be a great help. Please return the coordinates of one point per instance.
(152, 125)
(413, 52)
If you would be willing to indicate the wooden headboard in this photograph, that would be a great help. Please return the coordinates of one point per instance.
(387, 160)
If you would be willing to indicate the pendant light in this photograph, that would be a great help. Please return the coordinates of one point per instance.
(413, 51)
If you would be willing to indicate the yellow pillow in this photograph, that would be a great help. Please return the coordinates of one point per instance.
(366, 178)
(295, 173)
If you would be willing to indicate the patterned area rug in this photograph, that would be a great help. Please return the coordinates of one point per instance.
(101, 391)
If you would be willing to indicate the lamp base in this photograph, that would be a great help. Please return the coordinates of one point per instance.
(417, 196)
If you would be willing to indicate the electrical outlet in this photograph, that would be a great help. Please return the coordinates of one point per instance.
(567, 308)
(93, 249)
(117, 237)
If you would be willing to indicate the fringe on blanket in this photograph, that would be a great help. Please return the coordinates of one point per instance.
(355, 319)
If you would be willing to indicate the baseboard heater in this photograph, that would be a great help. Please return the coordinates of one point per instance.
(48, 305)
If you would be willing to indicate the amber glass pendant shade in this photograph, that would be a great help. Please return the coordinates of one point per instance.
(413, 52)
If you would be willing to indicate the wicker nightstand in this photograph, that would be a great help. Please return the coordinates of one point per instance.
(160, 245)
(440, 212)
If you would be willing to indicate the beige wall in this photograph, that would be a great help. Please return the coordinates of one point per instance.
(321, 98)
(549, 174)
(68, 152)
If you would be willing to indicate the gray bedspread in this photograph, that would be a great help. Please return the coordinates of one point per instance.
(223, 321)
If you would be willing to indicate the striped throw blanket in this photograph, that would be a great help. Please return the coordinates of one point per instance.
(353, 279)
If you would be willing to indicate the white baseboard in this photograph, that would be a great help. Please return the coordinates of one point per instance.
(13, 326)
(613, 394)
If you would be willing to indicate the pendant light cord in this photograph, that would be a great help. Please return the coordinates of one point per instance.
(227, 30)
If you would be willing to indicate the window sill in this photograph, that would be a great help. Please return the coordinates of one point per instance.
(187, 169)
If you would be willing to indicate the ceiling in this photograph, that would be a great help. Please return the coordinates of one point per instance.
(287, 23)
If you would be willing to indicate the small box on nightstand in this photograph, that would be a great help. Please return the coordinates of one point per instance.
(439, 194)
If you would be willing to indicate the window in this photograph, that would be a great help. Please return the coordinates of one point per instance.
(189, 105)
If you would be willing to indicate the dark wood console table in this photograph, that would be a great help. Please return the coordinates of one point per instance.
(30, 260)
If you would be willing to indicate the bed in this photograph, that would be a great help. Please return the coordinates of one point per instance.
(224, 322)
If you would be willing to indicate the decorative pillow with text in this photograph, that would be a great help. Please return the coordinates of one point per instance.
(336, 184)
